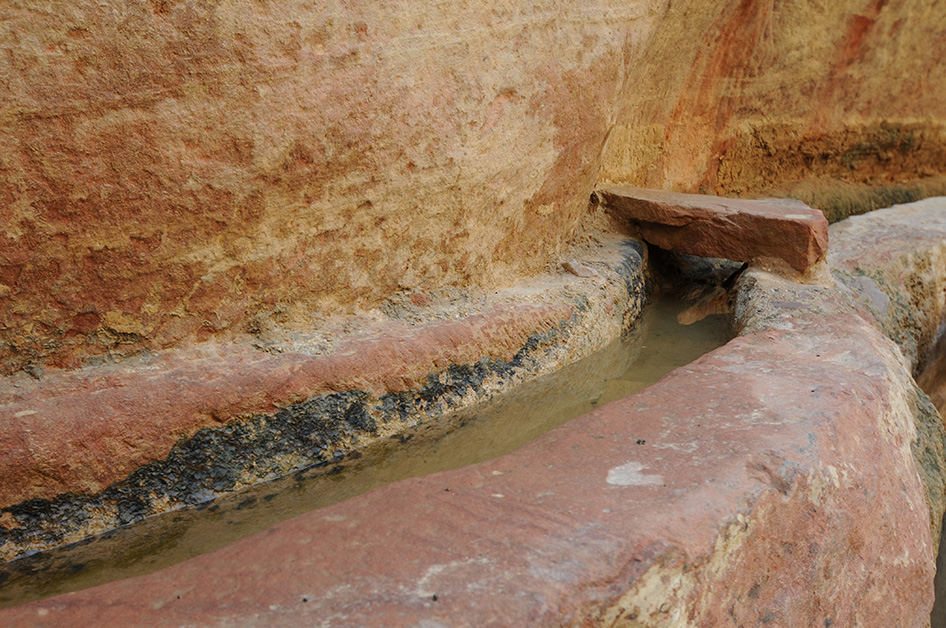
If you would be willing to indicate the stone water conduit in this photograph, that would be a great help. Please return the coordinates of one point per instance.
(88, 450)
(793, 477)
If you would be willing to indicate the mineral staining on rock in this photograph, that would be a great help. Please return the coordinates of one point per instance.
(185, 426)
(630, 474)
(171, 172)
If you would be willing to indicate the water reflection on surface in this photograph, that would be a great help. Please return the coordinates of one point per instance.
(656, 346)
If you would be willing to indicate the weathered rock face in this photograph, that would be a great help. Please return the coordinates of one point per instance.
(177, 170)
(171, 170)
(89, 450)
(893, 261)
(740, 96)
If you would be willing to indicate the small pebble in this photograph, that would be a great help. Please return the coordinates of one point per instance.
(581, 270)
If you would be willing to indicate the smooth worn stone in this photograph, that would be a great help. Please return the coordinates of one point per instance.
(710, 226)
(893, 261)
(705, 499)
(80, 431)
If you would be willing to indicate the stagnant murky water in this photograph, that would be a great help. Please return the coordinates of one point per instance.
(658, 345)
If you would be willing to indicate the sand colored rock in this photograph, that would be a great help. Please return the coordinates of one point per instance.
(176, 171)
(171, 172)
(710, 226)
(736, 97)
(885, 251)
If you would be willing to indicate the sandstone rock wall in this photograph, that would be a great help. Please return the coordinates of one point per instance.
(745, 95)
(171, 170)
(175, 170)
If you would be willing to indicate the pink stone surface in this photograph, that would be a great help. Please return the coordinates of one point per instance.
(884, 252)
(79, 431)
(711, 226)
(770, 482)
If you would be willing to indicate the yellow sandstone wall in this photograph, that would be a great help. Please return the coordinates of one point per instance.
(746, 95)
(175, 170)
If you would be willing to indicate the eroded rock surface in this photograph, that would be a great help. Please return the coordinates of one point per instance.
(85, 451)
(893, 261)
(736, 97)
(709, 496)
(175, 171)
(181, 170)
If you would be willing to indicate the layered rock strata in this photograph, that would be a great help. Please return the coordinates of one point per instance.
(793, 477)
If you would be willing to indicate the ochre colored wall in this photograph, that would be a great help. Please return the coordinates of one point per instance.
(741, 96)
(172, 171)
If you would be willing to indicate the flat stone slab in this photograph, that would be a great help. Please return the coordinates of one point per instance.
(711, 226)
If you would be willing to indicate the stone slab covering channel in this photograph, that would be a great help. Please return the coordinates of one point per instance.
(792, 477)
(710, 226)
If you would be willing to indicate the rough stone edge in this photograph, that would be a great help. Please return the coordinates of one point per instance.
(910, 312)
(898, 258)
(742, 229)
(329, 427)
(897, 282)
(689, 579)
(904, 296)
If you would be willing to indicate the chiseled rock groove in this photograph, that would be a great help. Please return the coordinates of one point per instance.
(793, 477)
(88, 450)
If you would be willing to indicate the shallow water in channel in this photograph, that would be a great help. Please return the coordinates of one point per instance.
(657, 345)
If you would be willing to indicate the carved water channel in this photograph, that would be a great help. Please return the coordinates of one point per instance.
(655, 346)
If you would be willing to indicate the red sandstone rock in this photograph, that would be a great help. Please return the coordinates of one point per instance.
(885, 251)
(714, 497)
(710, 226)
(80, 431)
